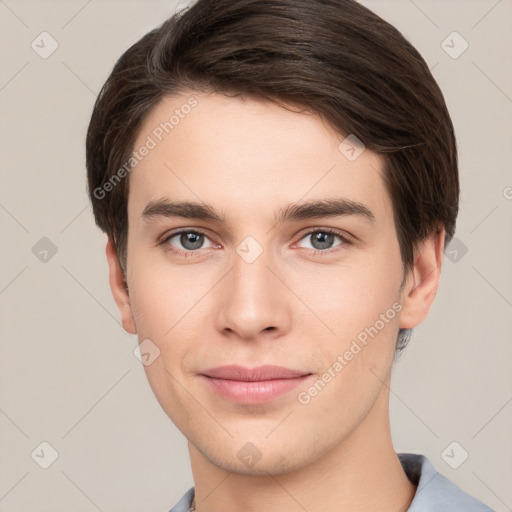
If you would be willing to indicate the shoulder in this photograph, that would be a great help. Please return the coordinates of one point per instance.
(185, 502)
(434, 491)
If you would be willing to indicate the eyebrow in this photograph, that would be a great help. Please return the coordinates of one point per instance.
(291, 212)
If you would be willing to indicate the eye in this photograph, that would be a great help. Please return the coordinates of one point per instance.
(187, 240)
(323, 239)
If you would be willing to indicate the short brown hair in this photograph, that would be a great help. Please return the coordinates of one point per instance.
(335, 58)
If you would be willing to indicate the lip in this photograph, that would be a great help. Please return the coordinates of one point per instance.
(253, 385)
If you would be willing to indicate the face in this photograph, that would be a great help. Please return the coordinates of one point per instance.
(293, 261)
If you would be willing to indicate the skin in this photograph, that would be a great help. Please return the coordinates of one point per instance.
(293, 306)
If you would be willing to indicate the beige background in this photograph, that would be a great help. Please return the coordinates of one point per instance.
(68, 373)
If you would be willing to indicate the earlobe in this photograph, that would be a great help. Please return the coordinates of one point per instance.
(422, 281)
(119, 289)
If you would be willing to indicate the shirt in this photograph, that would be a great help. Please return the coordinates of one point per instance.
(434, 492)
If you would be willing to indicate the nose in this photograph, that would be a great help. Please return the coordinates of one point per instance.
(253, 301)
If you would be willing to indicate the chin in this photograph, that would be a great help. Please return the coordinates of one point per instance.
(260, 457)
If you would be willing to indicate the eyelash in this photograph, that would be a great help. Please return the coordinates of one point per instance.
(316, 252)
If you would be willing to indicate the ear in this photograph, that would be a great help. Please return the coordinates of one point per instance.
(119, 289)
(422, 280)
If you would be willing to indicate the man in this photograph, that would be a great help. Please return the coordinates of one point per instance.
(278, 180)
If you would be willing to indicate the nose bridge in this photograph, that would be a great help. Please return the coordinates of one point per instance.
(250, 272)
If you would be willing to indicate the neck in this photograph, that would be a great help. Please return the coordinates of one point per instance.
(362, 473)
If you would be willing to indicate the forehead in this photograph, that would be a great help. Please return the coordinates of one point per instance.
(248, 155)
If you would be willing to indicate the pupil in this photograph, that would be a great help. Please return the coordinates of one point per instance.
(323, 239)
(191, 240)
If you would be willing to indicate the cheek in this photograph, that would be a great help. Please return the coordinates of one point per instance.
(161, 296)
(162, 304)
(361, 305)
(357, 359)
(151, 309)
(355, 297)
(170, 308)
